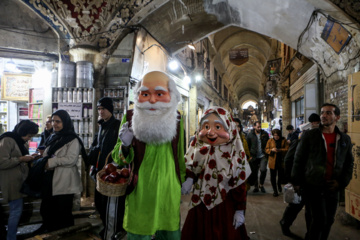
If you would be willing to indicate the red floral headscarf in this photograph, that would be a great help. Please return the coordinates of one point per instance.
(218, 168)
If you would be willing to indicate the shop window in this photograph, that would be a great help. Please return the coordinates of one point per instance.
(299, 112)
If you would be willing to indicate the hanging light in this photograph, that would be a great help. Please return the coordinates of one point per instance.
(187, 79)
(198, 78)
(173, 65)
(191, 46)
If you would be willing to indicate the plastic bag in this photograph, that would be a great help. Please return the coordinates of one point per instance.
(290, 196)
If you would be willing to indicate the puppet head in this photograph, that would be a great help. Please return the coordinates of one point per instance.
(155, 115)
(213, 130)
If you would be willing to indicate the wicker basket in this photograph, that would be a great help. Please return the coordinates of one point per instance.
(110, 189)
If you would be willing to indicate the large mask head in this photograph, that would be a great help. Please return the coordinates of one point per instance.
(213, 130)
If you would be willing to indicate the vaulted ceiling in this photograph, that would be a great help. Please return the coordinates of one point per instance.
(101, 25)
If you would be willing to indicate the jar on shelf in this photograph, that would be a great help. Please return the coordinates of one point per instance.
(76, 125)
(65, 95)
(90, 95)
(79, 96)
(86, 126)
(70, 95)
(85, 95)
(81, 126)
(55, 95)
(90, 112)
(74, 95)
(60, 96)
(85, 112)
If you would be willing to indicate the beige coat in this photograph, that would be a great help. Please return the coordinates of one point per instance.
(272, 155)
(66, 178)
(12, 172)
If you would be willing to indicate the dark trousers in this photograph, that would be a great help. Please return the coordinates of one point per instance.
(280, 174)
(2, 223)
(56, 212)
(111, 210)
(255, 165)
(291, 212)
(322, 206)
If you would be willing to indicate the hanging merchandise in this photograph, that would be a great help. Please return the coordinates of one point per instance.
(90, 95)
(85, 112)
(76, 125)
(81, 126)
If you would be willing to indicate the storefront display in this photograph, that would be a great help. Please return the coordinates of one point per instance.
(78, 102)
(119, 100)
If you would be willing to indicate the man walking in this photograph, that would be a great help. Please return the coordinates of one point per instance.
(323, 165)
(111, 209)
(292, 210)
(257, 140)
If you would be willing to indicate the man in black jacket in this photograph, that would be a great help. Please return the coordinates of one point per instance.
(257, 140)
(292, 210)
(111, 209)
(323, 165)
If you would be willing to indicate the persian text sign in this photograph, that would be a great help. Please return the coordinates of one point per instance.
(239, 56)
(335, 35)
(74, 109)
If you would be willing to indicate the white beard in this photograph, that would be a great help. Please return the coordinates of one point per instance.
(155, 127)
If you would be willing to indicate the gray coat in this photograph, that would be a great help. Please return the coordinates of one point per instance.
(12, 172)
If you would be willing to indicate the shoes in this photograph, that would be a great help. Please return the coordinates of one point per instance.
(256, 190)
(285, 229)
(262, 189)
(275, 194)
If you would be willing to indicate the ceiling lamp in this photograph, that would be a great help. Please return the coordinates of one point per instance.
(191, 46)
(173, 65)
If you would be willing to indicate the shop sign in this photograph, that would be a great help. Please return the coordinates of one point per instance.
(239, 56)
(335, 35)
(15, 87)
(74, 110)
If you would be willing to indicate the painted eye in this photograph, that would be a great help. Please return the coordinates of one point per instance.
(218, 127)
(145, 94)
(160, 94)
(207, 127)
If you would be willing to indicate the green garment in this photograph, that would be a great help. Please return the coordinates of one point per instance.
(155, 202)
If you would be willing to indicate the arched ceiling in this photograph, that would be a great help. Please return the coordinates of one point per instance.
(101, 24)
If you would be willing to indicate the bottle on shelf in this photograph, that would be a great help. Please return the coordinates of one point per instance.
(60, 95)
(86, 141)
(90, 95)
(85, 112)
(81, 126)
(86, 126)
(79, 96)
(70, 96)
(90, 111)
(76, 125)
(90, 127)
(74, 95)
(85, 95)
(65, 95)
(55, 95)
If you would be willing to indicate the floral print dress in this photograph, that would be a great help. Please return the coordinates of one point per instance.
(219, 174)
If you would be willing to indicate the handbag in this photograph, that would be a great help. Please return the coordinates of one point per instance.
(32, 185)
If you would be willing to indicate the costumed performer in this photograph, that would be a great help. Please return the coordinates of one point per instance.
(217, 166)
(151, 139)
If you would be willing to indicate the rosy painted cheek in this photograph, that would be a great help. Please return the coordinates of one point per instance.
(202, 135)
(223, 135)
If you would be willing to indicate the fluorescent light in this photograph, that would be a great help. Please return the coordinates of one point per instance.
(191, 46)
(198, 78)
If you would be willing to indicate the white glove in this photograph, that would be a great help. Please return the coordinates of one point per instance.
(186, 186)
(239, 218)
(126, 134)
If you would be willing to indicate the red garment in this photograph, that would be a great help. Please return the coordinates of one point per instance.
(216, 223)
(330, 139)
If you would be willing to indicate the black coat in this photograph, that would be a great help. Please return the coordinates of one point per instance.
(253, 142)
(310, 160)
(106, 140)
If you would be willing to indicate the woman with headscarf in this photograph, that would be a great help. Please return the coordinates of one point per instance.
(62, 178)
(217, 166)
(14, 156)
